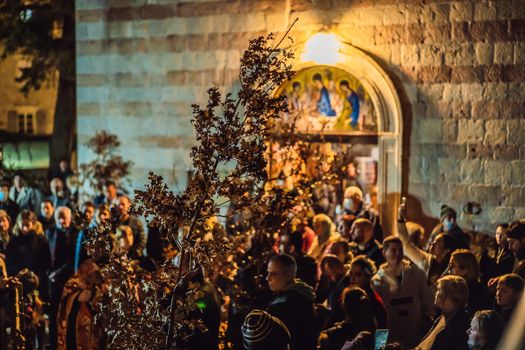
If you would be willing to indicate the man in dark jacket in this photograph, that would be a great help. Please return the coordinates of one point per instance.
(450, 329)
(127, 219)
(354, 208)
(6, 203)
(293, 302)
(449, 226)
(363, 242)
(62, 239)
(306, 265)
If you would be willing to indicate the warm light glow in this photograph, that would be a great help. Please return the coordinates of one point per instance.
(322, 48)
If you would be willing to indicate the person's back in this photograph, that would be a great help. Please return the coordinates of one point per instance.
(293, 302)
(295, 307)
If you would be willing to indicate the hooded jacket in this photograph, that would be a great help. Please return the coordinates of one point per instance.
(295, 308)
(409, 302)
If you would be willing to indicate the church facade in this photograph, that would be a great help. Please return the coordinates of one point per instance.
(443, 82)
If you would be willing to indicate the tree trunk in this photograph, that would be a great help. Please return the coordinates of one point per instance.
(64, 125)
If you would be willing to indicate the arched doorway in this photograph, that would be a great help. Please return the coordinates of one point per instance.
(356, 69)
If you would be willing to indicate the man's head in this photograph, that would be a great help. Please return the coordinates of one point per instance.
(63, 165)
(123, 205)
(291, 243)
(448, 218)
(341, 249)
(281, 272)
(362, 231)
(5, 221)
(332, 267)
(124, 238)
(103, 213)
(464, 263)
(452, 293)
(355, 303)
(353, 198)
(416, 232)
(88, 209)
(516, 237)
(47, 209)
(509, 289)
(296, 86)
(442, 245)
(393, 250)
(63, 217)
(26, 220)
(110, 190)
(485, 330)
(362, 269)
(501, 234)
(57, 187)
(18, 181)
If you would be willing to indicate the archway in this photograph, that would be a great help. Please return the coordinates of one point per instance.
(382, 94)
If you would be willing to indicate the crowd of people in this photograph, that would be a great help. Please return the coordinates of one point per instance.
(330, 281)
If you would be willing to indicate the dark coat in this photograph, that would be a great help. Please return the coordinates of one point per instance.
(365, 213)
(479, 298)
(29, 251)
(295, 308)
(454, 335)
(334, 338)
(373, 250)
(11, 209)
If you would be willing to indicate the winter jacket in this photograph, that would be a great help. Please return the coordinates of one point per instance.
(409, 302)
(454, 335)
(295, 308)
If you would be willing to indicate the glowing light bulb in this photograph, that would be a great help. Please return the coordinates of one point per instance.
(322, 48)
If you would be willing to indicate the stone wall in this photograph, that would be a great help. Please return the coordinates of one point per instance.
(459, 67)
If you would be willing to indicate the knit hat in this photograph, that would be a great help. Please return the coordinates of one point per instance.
(263, 331)
(516, 230)
(446, 211)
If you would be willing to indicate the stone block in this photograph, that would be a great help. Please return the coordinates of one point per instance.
(429, 130)
(472, 172)
(516, 131)
(485, 109)
(497, 172)
(456, 193)
(409, 55)
(466, 74)
(518, 171)
(503, 53)
(451, 92)
(430, 55)
(449, 170)
(433, 74)
(495, 132)
(437, 12)
(513, 73)
(519, 53)
(506, 10)
(471, 91)
(484, 53)
(460, 54)
(486, 195)
(496, 91)
(449, 130)
(460, 109)
(470, 131)
(507, 152)
(461, 11)
(415, 171)
(513, 196)
(501, 214)
(484, 10)
(119, 29)
(437, 34)
(519, 213)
